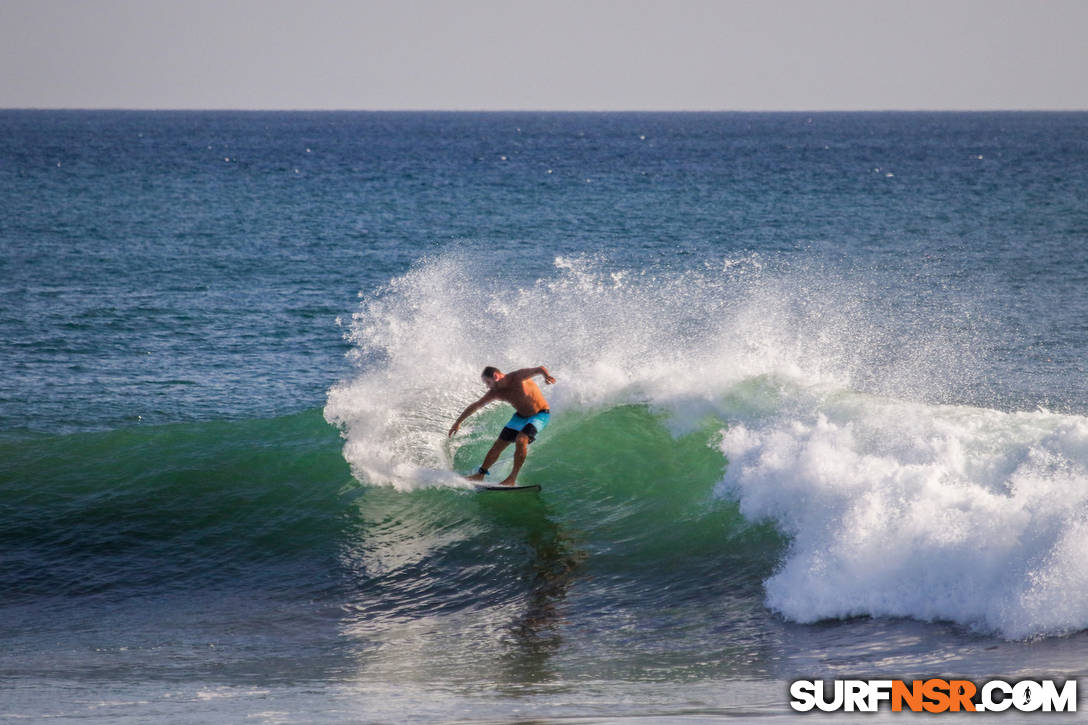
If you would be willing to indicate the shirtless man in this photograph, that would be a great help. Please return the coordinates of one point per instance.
(530, 415)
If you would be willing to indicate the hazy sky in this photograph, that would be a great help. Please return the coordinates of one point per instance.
(548, 54)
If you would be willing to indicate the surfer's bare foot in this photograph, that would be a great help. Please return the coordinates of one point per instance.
(475, 477)
(509, 482)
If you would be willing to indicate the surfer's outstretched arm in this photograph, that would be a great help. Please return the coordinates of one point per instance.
(487, 398)
(532, 372)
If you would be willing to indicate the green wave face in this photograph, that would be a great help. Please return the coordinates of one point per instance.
(643, 497)
(208, 504)
(180, 504)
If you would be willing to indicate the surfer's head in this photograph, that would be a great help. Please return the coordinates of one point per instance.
(490, 376)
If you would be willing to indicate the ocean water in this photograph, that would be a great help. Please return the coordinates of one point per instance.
(821, 411)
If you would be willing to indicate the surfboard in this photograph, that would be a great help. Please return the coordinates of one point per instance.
(531, 487)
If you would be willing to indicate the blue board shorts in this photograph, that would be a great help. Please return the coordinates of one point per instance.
(529, 426)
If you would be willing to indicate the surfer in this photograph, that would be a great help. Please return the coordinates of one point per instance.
(530, 415)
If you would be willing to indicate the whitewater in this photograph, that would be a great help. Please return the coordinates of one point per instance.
(828, 406)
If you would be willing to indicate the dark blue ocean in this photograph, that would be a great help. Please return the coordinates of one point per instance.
(821, 411)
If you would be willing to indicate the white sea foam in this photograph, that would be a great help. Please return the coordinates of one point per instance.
(610, 336)
(934, 512)
(672, 338)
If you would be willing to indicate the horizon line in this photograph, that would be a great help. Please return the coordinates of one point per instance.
(225, 109)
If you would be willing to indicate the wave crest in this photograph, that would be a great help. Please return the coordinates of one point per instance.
(933, 512)
(830, 396)
(672, 338)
